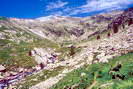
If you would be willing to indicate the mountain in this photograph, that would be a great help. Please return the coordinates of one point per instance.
(48, 48)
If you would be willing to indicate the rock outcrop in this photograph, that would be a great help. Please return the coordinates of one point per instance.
(43, 56)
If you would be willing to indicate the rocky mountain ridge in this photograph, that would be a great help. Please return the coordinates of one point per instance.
(63, 28)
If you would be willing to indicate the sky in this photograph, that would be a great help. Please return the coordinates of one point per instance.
(75, 8)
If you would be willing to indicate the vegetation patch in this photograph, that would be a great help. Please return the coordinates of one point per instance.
(3, 18)
(2, 28)
(99, 76)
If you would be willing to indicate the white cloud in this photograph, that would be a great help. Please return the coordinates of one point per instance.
(98, 5)
(88, 7)
(58, 13)
(55, 5)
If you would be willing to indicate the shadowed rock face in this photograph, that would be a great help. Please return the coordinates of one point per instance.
(58, 33)
(93, 34)
(77, 32)
(130, 21)
(122, 20)
(55, 32)
(101, 18)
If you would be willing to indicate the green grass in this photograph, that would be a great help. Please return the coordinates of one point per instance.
(46, 43)
(14, 54)
(100, 73)
(2, 28)
(65, 51)
(3, 18)
(4, 42)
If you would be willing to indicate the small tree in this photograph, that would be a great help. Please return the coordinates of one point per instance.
(72, 50)
(108, 34)
(115, 28)
(30, 53)
(98, 37)
(41, 65)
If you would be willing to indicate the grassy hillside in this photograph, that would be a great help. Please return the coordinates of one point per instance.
(101, 76)
(16, 54)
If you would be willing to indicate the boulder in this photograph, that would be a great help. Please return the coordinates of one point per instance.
(2, 68)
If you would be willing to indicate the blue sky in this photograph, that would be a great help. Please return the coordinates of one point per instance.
(77, 8)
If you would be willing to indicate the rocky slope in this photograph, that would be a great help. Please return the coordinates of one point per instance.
(101, 50)
(60, 45)
(63, 28)
(23, 35)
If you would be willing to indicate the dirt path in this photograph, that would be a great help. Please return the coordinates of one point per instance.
(93, 84)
